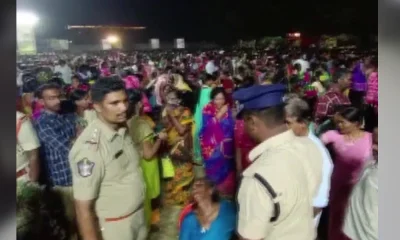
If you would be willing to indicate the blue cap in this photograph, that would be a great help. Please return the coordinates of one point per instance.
(259, 97)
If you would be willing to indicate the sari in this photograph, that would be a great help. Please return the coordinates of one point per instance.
(359, 80)
(180, 153)
(371, 96)
(217, 145)
(244, 143)
(159, 88)
(141, 131)
(350, 159)
(204, 99)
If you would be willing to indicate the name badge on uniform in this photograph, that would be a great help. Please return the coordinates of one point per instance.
(118, 154)
(85, 167)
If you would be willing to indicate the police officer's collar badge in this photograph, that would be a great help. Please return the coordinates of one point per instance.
(85, 167)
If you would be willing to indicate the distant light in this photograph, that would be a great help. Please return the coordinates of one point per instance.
(296, 34)
(112, 39)
(27, 19)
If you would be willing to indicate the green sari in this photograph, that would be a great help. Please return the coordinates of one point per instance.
(143, 132)
(204, 99)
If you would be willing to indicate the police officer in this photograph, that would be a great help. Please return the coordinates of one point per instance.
(27, 150)
(108, 182)
(276, 191)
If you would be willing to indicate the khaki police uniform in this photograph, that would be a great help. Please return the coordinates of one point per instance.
(27, 140)
(106, 168)
(90, 115)
(291, 166)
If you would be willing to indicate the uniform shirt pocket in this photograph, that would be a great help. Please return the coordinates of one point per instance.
(116, 163)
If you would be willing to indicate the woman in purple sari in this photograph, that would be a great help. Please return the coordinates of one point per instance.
(358, 85)
(217, 145)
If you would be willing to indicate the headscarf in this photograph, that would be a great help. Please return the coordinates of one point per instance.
(180, 84)
(161, 83)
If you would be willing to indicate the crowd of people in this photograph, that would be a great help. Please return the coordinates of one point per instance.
(266, 144)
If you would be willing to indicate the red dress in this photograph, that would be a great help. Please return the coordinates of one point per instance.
(244, 143)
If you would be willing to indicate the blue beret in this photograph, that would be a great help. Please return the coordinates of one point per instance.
(259, 96)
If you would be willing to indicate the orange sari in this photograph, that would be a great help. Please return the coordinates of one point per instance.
(178, 187)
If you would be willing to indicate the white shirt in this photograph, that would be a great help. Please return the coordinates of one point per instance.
(19, 79)
(361, 220)
(322, 197)
(66, 73)
(320, 88)
(210, 67)
(303, 63)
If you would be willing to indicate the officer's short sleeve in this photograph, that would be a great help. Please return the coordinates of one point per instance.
(87, 172)
(255, 209)
(27, 136)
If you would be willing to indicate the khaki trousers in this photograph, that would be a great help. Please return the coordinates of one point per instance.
(133, 227)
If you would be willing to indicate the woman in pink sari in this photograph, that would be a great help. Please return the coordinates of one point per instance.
(217, 146)
(352, 147)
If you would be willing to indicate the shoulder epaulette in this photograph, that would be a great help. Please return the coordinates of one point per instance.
(94, 139)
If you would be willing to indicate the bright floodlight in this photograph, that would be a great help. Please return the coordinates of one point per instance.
(112, 39)
(25, 18)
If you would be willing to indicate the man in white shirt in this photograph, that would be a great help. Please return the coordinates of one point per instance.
(304, 64)
(298, 116)
(65, 70)
(210, 66)
(19, 78)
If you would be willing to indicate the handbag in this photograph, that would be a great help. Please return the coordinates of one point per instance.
(168, 169)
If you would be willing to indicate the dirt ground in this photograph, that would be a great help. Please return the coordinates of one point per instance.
(168, 225)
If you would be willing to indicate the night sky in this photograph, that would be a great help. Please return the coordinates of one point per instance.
(207, 20)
